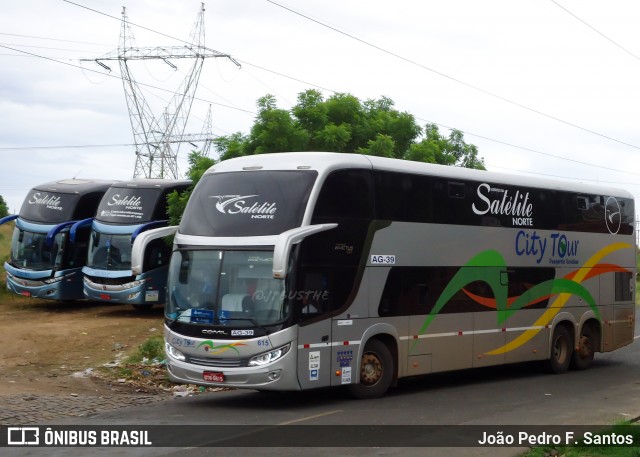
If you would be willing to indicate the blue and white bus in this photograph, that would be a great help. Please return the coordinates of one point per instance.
(127, 209)
(50, 238)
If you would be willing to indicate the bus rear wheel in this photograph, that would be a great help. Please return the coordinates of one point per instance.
(583, 356)
(561, 350)
(376, 371)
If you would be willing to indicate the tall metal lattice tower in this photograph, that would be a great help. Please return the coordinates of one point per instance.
(158, 137)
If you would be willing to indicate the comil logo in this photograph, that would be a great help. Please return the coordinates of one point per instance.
(245, 204)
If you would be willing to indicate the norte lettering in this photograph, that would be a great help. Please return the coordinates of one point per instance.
(516, 205)
(50, 201)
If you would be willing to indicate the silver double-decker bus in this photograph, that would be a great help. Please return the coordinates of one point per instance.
(296, 271)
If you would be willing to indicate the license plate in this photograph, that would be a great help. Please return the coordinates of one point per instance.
(210, 376)
(25, 293)
(105, 297)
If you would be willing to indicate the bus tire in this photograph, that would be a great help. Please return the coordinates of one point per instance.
(583, 356)
(376, 371)
(561, 350)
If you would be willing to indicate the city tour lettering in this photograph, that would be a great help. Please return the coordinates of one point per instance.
(515, 205)
(560, 248)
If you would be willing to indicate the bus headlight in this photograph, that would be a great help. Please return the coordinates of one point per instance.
(173, 352)
(268, 357)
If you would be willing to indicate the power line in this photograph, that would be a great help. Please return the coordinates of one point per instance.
(294, 79)
(117, 77)
(72, 146)
(52, 39)
(252, 112)
(596, 30)
(387, 52)
(531, 150)
(451, 78)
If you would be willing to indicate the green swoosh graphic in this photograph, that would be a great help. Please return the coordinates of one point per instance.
(545, 289)
(470, 273)
(488, 266)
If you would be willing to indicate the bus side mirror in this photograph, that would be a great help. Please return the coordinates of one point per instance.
(142, 241)
(287, 239)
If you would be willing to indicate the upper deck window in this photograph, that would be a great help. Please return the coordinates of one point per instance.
(345, 194)
(248, 203)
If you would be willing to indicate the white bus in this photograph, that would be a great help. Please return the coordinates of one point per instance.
(304, 270)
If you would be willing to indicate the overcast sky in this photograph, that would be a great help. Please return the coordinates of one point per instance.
(542, 87)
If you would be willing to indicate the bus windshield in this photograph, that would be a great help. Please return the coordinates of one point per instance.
(109, 252)
(29, 250)
(229, 288)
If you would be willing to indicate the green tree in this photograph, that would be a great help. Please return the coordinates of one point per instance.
(234, 145)
(341, 123)
(274, 130)
(177, 201)
(4, 209)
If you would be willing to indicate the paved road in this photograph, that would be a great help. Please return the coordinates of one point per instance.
(490, 398)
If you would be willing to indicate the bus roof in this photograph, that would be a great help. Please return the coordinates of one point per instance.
(75, 186)
(146, 183)
(325, 162)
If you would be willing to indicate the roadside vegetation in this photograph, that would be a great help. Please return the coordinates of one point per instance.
(5, 249)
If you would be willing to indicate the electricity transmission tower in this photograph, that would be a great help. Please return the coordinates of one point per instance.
(158, 138)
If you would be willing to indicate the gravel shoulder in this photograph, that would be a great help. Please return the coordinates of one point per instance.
(55, 348)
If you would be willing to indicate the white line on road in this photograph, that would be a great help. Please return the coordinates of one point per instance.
(302, 419)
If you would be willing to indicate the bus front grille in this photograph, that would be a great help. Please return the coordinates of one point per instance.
(217, 362)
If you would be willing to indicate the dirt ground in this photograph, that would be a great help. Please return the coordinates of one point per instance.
(54, 348)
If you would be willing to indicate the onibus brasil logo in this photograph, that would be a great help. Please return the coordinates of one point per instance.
(245, 204)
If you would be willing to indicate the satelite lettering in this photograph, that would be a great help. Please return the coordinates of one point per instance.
(235, 204)
(134, 202)
(49, 201)
(517, 205)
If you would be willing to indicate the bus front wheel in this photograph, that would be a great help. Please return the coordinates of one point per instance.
(561, 350)
(376, 371)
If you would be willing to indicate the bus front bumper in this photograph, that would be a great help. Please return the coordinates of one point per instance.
(57, 288)
(280, 375)
(133, 292)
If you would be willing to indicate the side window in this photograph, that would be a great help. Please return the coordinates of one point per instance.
(456, 190)
(157, 254)
(345, 194)
(407, 292)
(323, 290)
(404, 197)
(624, 289)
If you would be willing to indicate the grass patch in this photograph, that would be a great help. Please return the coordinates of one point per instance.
(150, 351)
